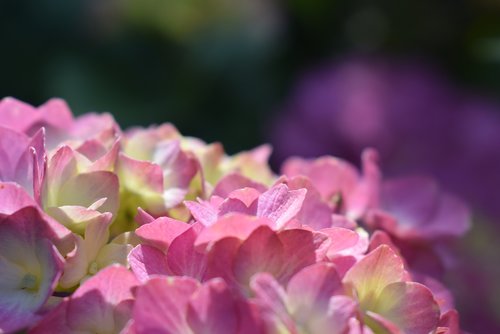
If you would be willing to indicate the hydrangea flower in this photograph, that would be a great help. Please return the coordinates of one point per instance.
(149, 231)
(30, 265)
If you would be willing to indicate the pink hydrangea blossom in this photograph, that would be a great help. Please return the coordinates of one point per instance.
(149, 231)
(30, 265)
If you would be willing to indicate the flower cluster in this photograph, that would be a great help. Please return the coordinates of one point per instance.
(149, 231)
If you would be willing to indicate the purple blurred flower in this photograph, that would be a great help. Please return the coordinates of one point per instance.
(419, 123)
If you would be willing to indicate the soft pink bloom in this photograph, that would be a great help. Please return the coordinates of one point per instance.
(55, 116)
(233, 225)
(102, 304)
(311, 303)
(161, 232)
(22, 160)
(280, 254)
(234, 181)
(345, 247)
(340, 184)
(278, 204)
(219, 244)
(235, 247)
(174, 305)
(30, 264)
(76, 190)
(168, 249)
(15, 198)
(315, 212)
(73, 180)
(155, 171)
(387, 299)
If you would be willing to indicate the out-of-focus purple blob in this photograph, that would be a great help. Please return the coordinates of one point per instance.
(420, 123)
(415, 118)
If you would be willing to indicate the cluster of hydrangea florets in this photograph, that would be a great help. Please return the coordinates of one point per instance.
(149, 231)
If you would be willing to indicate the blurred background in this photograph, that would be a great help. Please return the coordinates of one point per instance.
(418, 80)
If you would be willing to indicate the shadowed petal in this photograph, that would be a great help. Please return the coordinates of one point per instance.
(161, 305)
(212, 309)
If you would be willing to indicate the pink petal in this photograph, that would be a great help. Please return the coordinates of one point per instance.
(186, 166)
(309, 291)
(39, 163)
(441, 294)
(114, 283)
(56, 112)
(92, 125)
(329, 175)
(300, 249)
(212, 309)
(107, 160)
(246, 195)
(15, 198)
(410, 306)
(203, 212)
(261, 153)
(143, 217)
(234, 205)
(379, 238)
(22, 159)
(314, 212)
(343, 242)
(270, 297)
(161, 305)
(340, 310)
(250, 320)
(183, 259)
(161, 232)
(367, 192)
(61, 167)
(102, 303)
(17, 115)
(220, 260)
(97, 305)
(234, 181)
(233, 225)
(27, 258)
(280, 204)
(262, 251)
(53, 322)
(373, 273)
(146, 261)
(141, 174)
